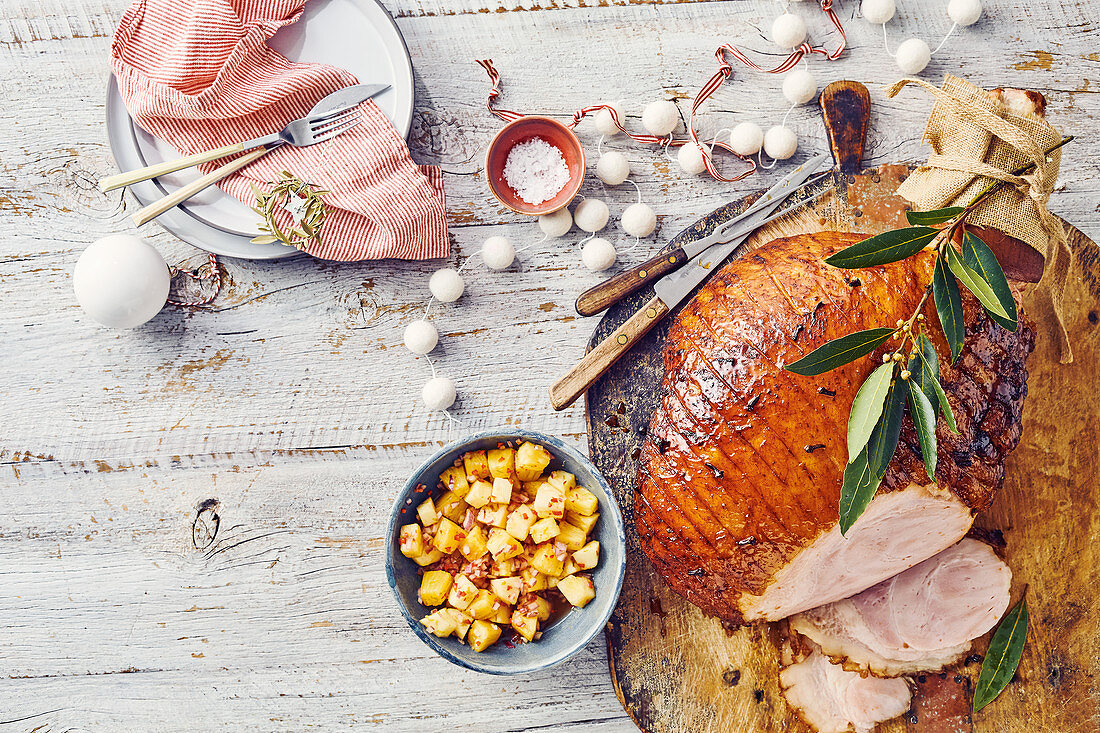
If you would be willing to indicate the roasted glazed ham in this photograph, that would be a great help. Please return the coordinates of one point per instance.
(739, 478)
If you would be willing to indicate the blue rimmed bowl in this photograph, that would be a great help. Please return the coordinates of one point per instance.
(569, 634)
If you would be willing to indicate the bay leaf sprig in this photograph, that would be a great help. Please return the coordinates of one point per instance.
(909, 374)
(300, 199)
(1003, 656)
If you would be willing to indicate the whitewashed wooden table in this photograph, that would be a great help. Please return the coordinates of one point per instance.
(293, 403)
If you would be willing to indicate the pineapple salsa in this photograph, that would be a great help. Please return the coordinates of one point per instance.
(505, 544)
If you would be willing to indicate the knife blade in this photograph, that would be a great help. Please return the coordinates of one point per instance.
(673, 288)
(347, 97)
(610, 291)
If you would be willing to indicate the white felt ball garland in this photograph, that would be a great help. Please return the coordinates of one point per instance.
(639, 220)
(498, 253)
(421, 337)
(660, 118)
(878, 11)
(964, 12)
(747, 138)
(438, 394)
(691, 160)
(913, 54)
(598, 254)
(613, 168)
(556, 224)
(446, 285)
(788, 31)
(780, 142)
(591, 215)
(605, 123)
(799, 87)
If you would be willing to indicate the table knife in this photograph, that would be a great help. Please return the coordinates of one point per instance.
(670, 291)
(614, 289)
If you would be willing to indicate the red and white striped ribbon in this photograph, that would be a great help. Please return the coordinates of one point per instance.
(212, 273)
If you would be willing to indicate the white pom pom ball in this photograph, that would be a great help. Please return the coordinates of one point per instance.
(497, 253)
(446, 285)
(965, 12)
(438, 393)
(746, 138)
(660, 118)
(780, 142)
(913, 55)
(557, 224)
(591, 215)
(613, 168)
(639, 220)
(690, 158)
(598, 254)
(788, 30)
(799, 86)
(605, 123)
(121, 281)
(420, 337)
(877, 11)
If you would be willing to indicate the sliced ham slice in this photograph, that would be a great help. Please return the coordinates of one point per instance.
(920, 620)
(833, 700)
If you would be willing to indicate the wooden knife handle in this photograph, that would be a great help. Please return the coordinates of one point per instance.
(169, 166)
(566, 390)
(846, 106)
(160, 206)
(614, 289)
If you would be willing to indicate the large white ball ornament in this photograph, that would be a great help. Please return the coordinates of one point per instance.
(877, 11)
(612, 168)
(965, 12)
(690, 158)
(446, 285)
(660, 117)
(497, 253)
(421, 337)
(639, 220)
(605, 123)
(557, 224)
(780, 142)
(799, 86)
(746, 138)
(912, 56)
(591, 215)
(598, 254)
(438, 393)
(121, 281)
(788, 30)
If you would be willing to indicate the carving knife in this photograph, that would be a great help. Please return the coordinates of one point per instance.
(670, 291)
(614, 289)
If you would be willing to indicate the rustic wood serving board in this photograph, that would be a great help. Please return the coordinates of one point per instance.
(677, 671)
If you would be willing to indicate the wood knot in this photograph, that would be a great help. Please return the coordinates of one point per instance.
(205, 526)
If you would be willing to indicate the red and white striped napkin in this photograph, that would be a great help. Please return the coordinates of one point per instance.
(199, 74)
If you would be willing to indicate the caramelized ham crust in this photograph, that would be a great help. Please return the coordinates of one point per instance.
(739, 478)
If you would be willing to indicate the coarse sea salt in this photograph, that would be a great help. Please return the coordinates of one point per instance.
(536, 170)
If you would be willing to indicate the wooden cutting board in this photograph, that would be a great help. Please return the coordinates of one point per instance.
(677, 671)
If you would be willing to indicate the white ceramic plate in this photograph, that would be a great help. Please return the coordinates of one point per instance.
(357, 35)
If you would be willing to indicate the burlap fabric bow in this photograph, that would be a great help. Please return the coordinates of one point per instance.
(975, 137)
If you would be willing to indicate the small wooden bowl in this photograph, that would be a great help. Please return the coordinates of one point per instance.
(519, 131)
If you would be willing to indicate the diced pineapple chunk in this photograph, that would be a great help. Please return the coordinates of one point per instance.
(411, 540)
(502, 615)
(494, 515)
(531, 460)
(482, 635)
(549, 501)
(503, 568)
(533, 580)
(480, 494)
(546, 560)
(581, 500)
(569, 568)
(434, 586)
(588, 556)
(440, 623)
(503, 545)
(577, 589)
(562, 479)
(463, 592)
(476, 464)
(502, 490)
(451, 506)
(544, 530)
(525, 626)
(427, 513)
(502, 463)
(454, 479)
(506, 589)
(570, 535)
(464, 621)
(520, 521)
(475, 545)
(448, 536)
(484, 605)
(544, 608)
(432, 555)
(580, 520)
(532, 487)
